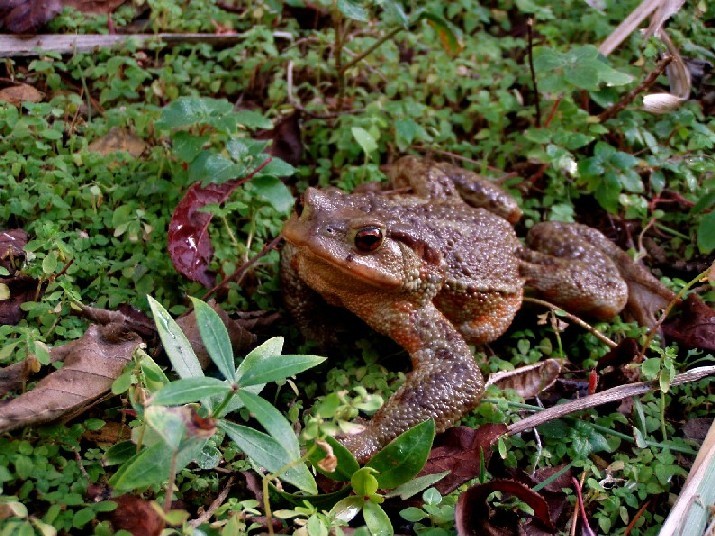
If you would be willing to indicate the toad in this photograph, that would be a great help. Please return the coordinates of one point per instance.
(436, 265)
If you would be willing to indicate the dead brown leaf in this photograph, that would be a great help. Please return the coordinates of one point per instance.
(12, 252)
(118, 140)
(20, 289)
(461, 452)
(695, 327)
(474, 516)
(94, 6)
(16, 93)
(136, 515)
(91, 364)
(110, 434)
(27, 16)
(15, 376)
(529, 380)
(286, 141)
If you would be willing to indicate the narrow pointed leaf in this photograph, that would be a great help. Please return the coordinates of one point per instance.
(275, 368)
(176, 345)
(403, 458)
(215, 337)
(271, 419)
(268, 453)
(190, 390)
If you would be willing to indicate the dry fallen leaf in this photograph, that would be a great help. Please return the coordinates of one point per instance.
(529, 380)
(474, 516)
(118, 140)
(94, 6)
(91, 364)
(17, 93)
(461, 452)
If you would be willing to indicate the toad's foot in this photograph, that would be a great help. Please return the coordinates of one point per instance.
(582, 271)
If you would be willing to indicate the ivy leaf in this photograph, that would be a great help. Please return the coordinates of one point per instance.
(365, 140)
(353, 10)
(273, 191)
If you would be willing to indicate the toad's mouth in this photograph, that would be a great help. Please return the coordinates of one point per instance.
(341, 271)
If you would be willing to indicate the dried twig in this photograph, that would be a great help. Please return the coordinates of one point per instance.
(611, 395)
(642, 88)
(217, 502)
(585, 325)
(530, 55)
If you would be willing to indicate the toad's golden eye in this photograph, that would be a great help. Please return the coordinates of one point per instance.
(368, 238)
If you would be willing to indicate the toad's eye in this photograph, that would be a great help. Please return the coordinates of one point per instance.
(368, 238)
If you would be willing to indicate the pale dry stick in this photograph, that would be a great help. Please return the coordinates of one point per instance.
(585, 325)
(641, 248)
(611, 395)
(632, 21)
(217, 502)
(427, 149)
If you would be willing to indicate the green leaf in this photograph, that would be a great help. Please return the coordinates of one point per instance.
(187, 111)
(706, 233)
(152, 465)
(353, 10)
(190, 390)
(347, 508)
(268, 453)
(82, 517)
(271, 419)
(413, 514)
(394, 13)
(274, 368)
(650, 368)
(167, 423)
(252, 119)
(208, 167)
(365, 140)
(119, 453)
(247, 150)
(215, 337)
(186, 146)
(364, 482)
(277, 167)
(274, 191)
(376, 520)
(405, 456)
(416, 485)
(446, 33)
(176, 345)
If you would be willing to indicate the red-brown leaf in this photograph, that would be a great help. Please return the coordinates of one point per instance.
(26, 16)
(695, 327)
(189, 243)
(460, 453)
(473, 515)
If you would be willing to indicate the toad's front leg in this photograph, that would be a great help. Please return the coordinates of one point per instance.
(444, 385)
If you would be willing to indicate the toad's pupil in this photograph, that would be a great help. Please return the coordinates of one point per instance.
(368, 239)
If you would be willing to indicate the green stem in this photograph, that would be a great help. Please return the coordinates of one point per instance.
(170, 485)
(217, 412)
(357, 59)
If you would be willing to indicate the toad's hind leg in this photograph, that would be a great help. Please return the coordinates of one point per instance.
(572, 265)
